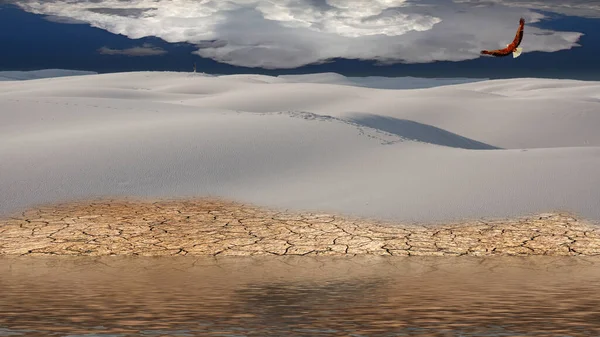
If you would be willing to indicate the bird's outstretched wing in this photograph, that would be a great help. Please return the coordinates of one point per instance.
(512, 46)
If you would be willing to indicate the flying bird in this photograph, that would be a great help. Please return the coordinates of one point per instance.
(510, 48)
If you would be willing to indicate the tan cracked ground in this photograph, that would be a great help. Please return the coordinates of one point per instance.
(220, 228)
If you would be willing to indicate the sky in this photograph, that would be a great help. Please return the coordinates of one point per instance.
(420, 38)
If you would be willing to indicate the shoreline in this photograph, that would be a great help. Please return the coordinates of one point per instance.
(215, 227)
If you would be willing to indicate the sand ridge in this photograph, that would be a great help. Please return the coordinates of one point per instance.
(215, 227)
(500, 148)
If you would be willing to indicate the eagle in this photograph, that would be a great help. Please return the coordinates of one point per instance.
(510, 48)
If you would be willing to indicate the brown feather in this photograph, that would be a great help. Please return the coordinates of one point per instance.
(512, 46)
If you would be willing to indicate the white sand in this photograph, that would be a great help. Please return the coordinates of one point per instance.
(377, 82)
(491, 148)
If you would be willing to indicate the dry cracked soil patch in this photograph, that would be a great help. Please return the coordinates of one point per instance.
(209, 227)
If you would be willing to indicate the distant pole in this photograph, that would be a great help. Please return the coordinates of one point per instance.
(194, 66)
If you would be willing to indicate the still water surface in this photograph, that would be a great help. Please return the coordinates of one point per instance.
(186, 296)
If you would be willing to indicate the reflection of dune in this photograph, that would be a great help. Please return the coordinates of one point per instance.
(415, 298)
(324, 296)
(405, 155)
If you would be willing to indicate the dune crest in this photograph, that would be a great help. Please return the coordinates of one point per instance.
(489, 148)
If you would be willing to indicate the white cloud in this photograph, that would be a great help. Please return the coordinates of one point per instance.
(583, 8)
(292, 33)
(145, 50)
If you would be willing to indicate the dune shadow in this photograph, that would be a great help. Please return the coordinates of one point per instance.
(419, 132)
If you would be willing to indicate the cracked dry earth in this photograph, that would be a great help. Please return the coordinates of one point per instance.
(209, 227)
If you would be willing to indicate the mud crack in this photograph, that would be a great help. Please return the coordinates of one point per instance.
(207, 227)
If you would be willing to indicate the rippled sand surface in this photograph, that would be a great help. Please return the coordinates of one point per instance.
(299, 296)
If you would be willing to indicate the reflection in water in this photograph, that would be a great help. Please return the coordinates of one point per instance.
(384, 296)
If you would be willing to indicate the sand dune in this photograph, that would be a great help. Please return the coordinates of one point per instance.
(488, 148)
(40, 74)
(377, 82)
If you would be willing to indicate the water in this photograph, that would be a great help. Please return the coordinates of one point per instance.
(355, 297)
